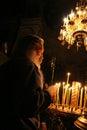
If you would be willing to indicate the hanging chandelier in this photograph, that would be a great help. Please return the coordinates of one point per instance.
(74, 29)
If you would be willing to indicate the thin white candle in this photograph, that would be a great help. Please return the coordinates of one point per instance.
(57, 92)
(66, 90)
(85, 97)
(63, 94)
(81, 96)
(68, 75)
(69, 95)
(78, 85)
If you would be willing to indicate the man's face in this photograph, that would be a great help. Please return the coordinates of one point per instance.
(41, 55)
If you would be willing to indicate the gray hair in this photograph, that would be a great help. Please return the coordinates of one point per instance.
(30, 42)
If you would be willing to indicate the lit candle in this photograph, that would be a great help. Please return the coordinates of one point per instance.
(85, 96)
(57, 92)
(68, 96)
(63, 94)
(67, 85)
(81, 96)
(78, 85)
(66, 91)
(68, 75)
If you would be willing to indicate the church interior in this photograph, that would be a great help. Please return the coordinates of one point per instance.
(44, 18)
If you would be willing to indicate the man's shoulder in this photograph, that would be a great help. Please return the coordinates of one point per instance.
(25, 64)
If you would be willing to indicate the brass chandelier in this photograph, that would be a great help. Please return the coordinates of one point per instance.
(74, 29)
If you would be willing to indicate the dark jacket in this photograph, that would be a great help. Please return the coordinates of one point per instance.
(21, 94)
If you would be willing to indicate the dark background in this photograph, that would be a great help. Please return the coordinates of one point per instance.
(52, 13)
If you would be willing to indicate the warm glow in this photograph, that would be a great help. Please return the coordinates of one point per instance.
(70, 97)
(74, 28)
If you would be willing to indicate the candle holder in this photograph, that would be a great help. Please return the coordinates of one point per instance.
(81, 121)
